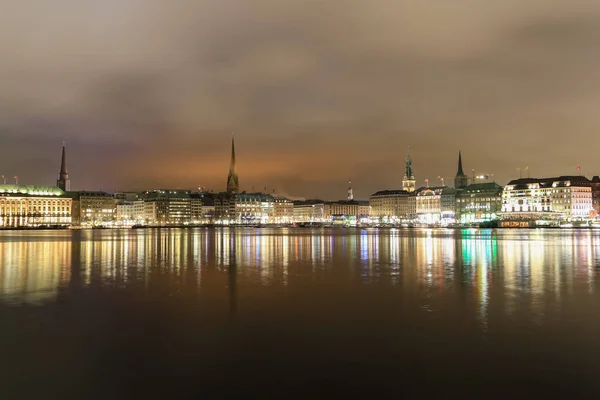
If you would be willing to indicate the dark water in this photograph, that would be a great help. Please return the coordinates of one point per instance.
(299, 313)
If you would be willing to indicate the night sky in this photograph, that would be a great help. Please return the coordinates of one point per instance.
(146, 93)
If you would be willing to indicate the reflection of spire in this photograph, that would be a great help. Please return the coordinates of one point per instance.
(233, 184)
(232, 274)
(63, 177)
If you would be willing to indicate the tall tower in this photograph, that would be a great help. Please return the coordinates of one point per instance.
(350, 191)
(461, 180)
(409, 182)
(233, 184)
(63, 181)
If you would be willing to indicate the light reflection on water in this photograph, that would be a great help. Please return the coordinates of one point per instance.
(537, 267)
(290, 303)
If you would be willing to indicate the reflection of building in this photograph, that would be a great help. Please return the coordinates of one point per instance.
(309, 211)
(388, 204)
(93, 208)
(25, 205)
(409, 182)
(172, 206)
(564, 197)
(479, 202)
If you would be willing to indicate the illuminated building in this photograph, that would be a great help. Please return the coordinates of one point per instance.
(202, 207)
(460, 181)
(387, 205)
(429, 204)
(136, 213)
(350, 191)
(30, 206)
(354, 208)
(63, 181)
(283, 210)
(448, 205)
(252, 208)
(561, 198)
(233, 184)
(172, 206)
(93, 208)
(479, 202)
(409, 182)
(309, 211)
(596, 195)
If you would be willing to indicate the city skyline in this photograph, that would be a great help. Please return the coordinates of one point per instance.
(148, 102)
(232, 185)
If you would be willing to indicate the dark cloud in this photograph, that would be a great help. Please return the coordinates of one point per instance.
(147, 92)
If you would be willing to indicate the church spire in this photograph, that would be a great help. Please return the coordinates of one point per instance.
(409, 182)
(63, 177)
(232, 179)
(461, 180)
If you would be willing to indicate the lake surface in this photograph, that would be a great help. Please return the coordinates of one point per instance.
(302, 313)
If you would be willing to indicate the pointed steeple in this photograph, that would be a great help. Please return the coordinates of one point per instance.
(461, 180)
(63, 176)
(460, 168)
(232, 179)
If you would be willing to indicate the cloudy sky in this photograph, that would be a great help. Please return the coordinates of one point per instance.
(146, 93)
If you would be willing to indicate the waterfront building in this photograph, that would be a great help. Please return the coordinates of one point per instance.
(391, 205)
(233, 183)
(309, 211)
(595, 183)
(136, 213)
(173, 207)
(283, 210)
(63, 182)
(346, 210)
(448, 205)
(253, 208)
(31, 206)
(93, 208)
(202, 207)
(461, 180)
(429, 204)
(408, 182)
(566, 198)
(479, 202)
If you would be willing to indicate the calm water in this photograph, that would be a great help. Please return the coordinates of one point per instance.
(301, 313)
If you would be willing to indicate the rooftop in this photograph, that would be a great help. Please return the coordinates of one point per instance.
(30, 190)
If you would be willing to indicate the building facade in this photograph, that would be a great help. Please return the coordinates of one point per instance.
(202, 207)
(309, 211)
(34, 206)
(93, 209)
(479, 202)
(566, 198)
(173, 207)
(136, 213)
(429, 205)
(388, 205)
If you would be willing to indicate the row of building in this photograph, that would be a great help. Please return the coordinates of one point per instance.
(522, 202)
